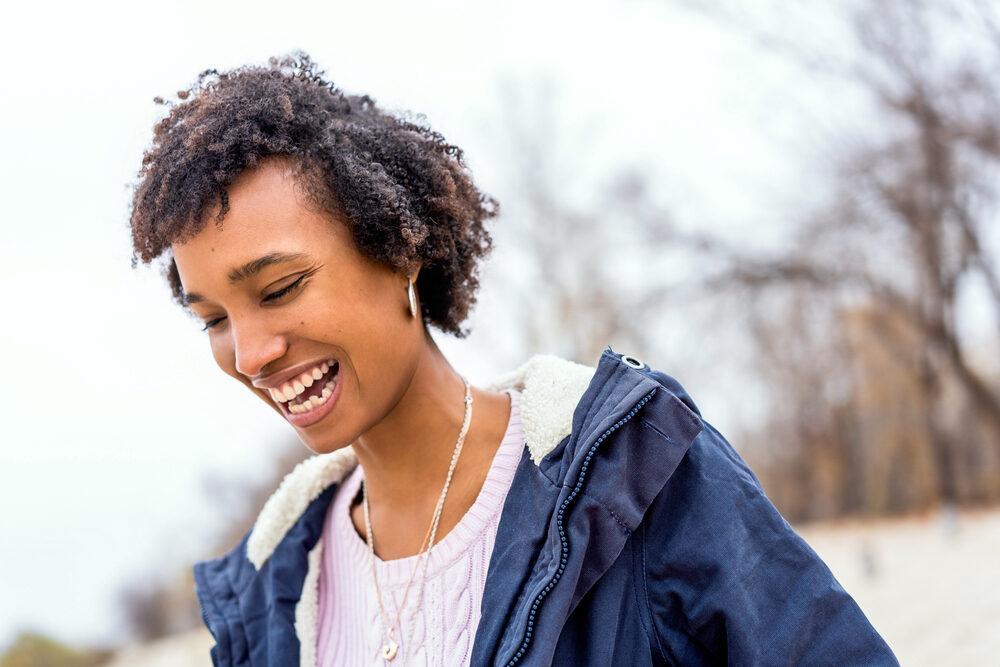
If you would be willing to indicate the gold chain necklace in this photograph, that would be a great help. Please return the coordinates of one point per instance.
(391, 647)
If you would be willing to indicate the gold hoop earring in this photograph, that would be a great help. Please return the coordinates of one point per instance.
(413, 297)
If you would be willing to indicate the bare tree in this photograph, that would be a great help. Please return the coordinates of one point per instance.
(915, 199)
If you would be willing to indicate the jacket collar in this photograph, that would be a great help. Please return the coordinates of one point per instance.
(550, 390)
(566, 521)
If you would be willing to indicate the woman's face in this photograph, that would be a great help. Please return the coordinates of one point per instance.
(295, 312)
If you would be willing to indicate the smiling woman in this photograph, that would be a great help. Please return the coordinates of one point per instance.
(297, 313)
(564, 514)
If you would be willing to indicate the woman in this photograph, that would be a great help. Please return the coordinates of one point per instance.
(562, 515)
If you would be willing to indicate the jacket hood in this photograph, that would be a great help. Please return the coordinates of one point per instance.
(550, 390)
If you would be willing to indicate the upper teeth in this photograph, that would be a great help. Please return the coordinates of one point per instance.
(300, 383)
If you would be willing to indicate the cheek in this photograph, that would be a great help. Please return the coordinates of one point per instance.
(222, 351)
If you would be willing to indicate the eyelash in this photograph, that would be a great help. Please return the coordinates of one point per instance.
(284, 291)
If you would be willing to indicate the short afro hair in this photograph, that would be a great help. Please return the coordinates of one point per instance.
(405, 193)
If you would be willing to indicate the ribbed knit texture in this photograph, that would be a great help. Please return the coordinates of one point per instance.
(442, 631)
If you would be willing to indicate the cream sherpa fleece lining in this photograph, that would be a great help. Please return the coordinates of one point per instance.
(550, 389)
(307, 609)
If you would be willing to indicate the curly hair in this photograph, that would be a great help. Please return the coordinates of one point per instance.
(405, 193)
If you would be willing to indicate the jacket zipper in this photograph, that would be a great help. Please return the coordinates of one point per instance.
(562, 533)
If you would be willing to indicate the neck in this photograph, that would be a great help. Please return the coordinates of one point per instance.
(406, 455)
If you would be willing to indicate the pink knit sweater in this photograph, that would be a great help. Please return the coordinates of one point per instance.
(443, 629)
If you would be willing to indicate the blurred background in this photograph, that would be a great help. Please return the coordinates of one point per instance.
(790, 207)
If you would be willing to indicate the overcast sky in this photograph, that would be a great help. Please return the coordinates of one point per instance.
(113, 411)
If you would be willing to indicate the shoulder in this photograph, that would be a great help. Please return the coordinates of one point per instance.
(294, 495)
(711, 474)
(727, 574)
(712, 506)
(298, 501)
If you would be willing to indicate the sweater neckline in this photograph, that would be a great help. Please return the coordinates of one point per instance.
(395, 573)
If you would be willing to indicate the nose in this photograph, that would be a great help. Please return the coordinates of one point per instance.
(255, 345)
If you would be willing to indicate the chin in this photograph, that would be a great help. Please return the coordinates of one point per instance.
(322, 447)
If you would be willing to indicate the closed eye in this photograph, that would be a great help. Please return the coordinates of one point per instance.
(212, 323)
(284, 291)
(273, 296)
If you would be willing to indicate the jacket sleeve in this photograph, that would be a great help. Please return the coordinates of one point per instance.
(220, 606)
(727, 580)
(211, 614)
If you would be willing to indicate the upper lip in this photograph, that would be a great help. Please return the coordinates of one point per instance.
(279, 378)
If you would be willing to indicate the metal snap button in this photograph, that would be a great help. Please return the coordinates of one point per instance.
(632, 361)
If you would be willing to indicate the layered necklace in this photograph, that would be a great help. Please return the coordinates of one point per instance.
(391, 647)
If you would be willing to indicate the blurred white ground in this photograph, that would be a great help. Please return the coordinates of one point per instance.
(931, 586)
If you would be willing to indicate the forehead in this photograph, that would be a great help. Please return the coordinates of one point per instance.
(267, 214)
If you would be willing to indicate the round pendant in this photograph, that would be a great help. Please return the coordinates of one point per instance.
(389, 650)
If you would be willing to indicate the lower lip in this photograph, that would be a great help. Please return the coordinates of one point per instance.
(304, 419)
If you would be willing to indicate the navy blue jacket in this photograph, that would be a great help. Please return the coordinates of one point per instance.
(632, 534)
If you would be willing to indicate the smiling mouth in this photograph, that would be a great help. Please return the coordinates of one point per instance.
(308, 391)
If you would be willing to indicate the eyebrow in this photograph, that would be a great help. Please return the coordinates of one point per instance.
(250, 269)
